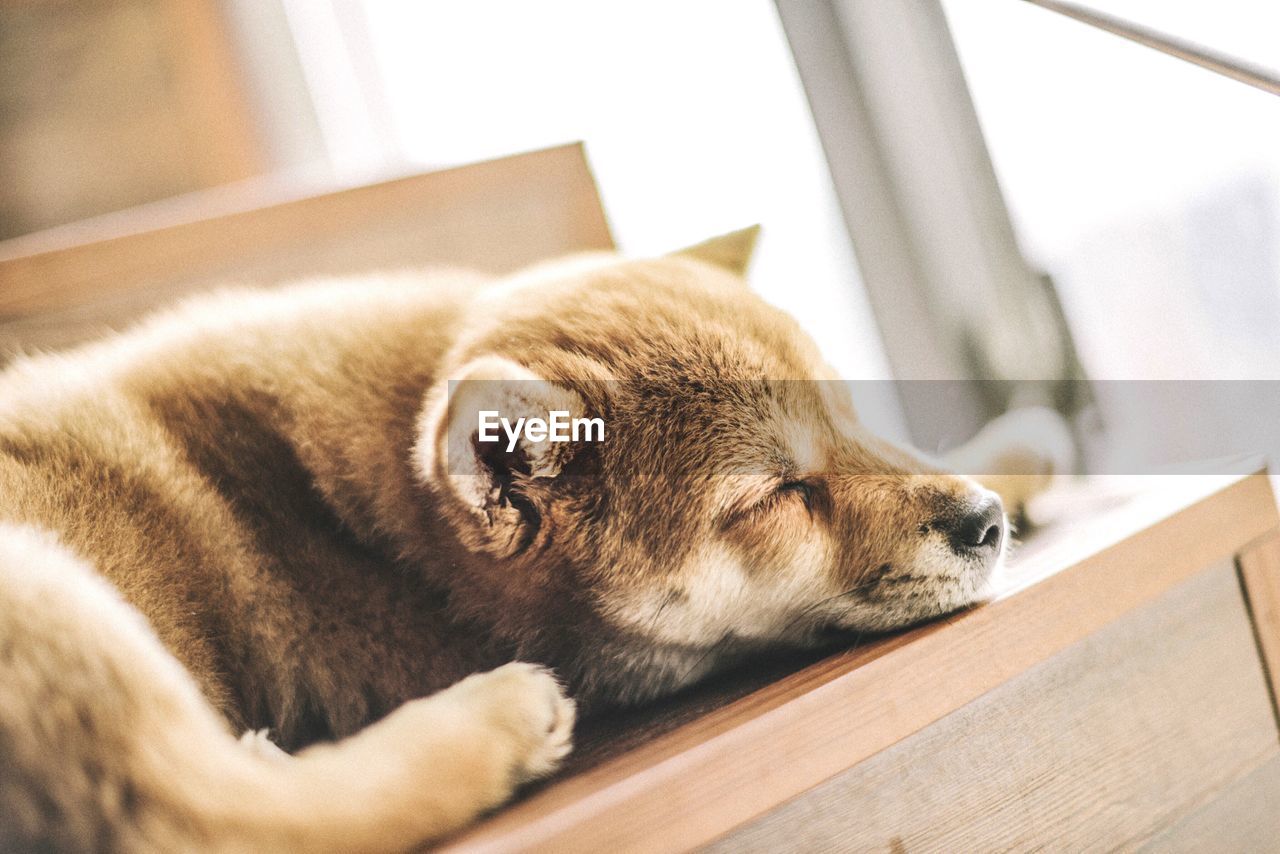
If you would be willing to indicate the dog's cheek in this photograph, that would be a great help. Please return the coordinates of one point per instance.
(788, 568)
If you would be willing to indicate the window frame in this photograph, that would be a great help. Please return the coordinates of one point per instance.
(955, 298)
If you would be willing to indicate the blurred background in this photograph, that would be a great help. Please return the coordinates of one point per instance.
(951, 190)
(1147, 187)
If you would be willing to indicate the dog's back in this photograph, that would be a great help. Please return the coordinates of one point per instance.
(159, 475)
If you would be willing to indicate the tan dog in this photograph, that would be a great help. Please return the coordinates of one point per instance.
(271, 510)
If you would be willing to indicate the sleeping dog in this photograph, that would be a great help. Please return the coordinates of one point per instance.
(274, 514)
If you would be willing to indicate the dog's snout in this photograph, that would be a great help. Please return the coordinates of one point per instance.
(978, 528)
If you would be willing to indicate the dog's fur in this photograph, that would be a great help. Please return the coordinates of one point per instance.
(251, 513)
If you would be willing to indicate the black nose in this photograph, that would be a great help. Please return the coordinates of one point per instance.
(978, 528)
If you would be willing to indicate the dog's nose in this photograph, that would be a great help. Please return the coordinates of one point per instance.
(979, 528)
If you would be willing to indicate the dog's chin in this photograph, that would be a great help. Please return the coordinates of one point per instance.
(639, 669)
(631, 670)
(908, 601)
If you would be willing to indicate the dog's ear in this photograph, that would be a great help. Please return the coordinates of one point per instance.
(730, 251)
(495, 478)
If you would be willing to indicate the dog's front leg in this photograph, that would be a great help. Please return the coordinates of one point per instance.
(436, 763)
(106, 742)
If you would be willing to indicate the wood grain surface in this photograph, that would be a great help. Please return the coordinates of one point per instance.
(64, 285)
(1101, 747)
(1243, 817)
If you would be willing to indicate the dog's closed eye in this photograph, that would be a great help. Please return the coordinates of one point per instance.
(767, 498)
(797, 487)
(788, 493)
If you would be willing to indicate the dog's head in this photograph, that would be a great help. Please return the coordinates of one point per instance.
(734, 502)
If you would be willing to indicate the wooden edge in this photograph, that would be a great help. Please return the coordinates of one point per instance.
(72, 266)
(702, 780)
(1259, 569)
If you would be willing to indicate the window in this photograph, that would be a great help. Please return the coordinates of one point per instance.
(694, 119)
(1148, 188)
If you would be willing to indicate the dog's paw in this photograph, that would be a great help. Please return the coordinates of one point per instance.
(528, 711)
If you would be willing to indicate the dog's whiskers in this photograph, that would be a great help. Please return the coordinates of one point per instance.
(671, 597)
(715, 647)
(857, 588)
